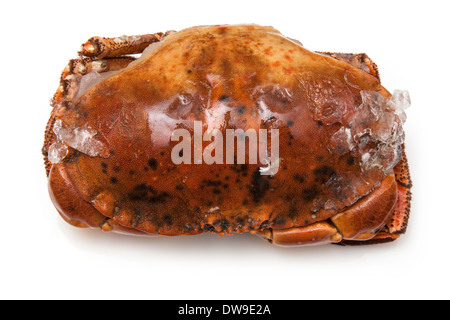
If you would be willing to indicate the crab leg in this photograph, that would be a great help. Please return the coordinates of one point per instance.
(98, 48)
(77, 68)
(69, 86)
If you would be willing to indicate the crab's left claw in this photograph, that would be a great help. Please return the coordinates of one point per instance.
(68, 201)
(360, 222)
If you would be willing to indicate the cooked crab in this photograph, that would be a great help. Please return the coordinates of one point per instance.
(342, 174)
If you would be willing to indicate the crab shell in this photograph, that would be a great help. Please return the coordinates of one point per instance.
(109, 139)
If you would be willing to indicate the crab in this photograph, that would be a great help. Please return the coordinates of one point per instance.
(342, 174)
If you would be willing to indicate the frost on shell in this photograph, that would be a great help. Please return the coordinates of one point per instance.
(374, 135)
(80, 138)
(375, 131)
(57, 152)
(381, 145)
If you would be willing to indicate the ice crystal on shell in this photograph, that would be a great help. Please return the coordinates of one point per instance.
(400, 101)
(57, 152)
(341, 142)
(91, 79)
(377, 129)
(80, 138)
(374, 134)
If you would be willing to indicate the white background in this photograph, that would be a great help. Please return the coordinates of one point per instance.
(43, 257)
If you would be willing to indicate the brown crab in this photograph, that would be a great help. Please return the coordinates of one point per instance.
(342, 174)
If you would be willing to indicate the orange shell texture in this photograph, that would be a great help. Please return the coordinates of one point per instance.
(246, 77)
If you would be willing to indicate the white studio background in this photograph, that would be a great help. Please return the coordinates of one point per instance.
(42, 257)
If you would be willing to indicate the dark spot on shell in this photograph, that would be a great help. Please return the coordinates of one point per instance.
(319, 123)
(299, 178)
(144, 192)
(116, 169)
(323, 173)
(167, 220)
(241, 109)
(105, 171)
(217, 191)
(259, 186)
(114, 180)
(293, 210)
(310, 194)
(131, 172)
(104, 165)
(153, 163)
(290, 123)
(212, 183)
(279, 220)
(351, 161)
(240, 168)
(224, 98)
(179, 187)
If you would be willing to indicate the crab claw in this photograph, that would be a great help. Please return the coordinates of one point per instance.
(360, 222)
(316, 234)
(68, 201)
